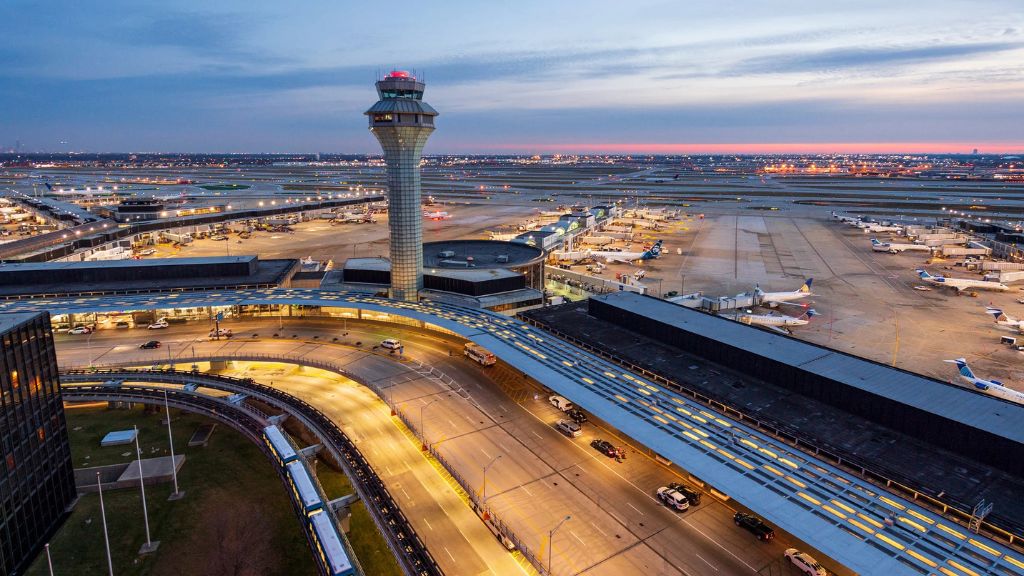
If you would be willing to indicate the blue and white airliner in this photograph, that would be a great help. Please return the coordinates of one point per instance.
(961, 284)
(990, 387)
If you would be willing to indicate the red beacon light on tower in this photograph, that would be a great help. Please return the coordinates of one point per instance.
(399, 74)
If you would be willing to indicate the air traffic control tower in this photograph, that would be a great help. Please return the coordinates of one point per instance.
(402, 122)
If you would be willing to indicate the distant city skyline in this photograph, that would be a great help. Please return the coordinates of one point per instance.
(533, 77)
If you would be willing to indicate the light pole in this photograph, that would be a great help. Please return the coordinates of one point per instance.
(551, 536)
(170, 363)
(88, 344)
(49, 561)
(149, 546)
(103, 515)
(483, 490)
(177, 494)
(423, 431)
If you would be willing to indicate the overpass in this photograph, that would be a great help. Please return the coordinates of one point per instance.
(848, 518)
(405, 544)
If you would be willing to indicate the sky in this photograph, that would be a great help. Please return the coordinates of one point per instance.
(625, 76)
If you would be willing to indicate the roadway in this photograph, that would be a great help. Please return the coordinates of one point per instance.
(849, 518)
(617, 524)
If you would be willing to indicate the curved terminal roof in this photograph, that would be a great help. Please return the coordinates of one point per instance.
(849, 519)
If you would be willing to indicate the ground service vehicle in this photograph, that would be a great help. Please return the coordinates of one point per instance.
(479, 354)
(569, 428)
(805, 563)
(754, 525)
(691, 495)
(560, 402)
(673, 499)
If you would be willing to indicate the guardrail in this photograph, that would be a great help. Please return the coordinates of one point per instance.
(405, 544)
(1008, 529)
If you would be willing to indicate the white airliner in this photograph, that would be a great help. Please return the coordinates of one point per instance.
(990, 387)
(1002, 318)
(628, 257)
(894, 247)
(611, 256)
(773, 299)
(960, 284)
(869, 227)
(436, 215)
(778, 323)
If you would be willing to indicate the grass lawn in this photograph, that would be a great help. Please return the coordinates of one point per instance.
(236, 517)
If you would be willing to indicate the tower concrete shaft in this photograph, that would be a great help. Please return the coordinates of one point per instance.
(402, 122)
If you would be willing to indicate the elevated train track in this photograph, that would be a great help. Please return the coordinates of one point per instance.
(405, 544)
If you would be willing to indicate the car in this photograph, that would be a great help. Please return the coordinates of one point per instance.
(754, 525)
(150, 345)
(158, 325)
(225, 332)
(560, 402)
(673, 499)
(122, 324)
(569, 428)
(80, 330)
(692, 496)
(147, 252)
(605, 447)
(391, 344)
(577, 415)
(218, 237)
(805, 562)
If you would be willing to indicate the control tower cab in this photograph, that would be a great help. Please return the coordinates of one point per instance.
(402, 122)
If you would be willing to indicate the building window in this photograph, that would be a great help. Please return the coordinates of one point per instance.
(382, 118)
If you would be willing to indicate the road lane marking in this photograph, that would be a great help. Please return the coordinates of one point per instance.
(428, 523)
(578, 539)
(534, 432)
(485, 452)
(713, 567)
(449, 554)
(598, 528)
(630, 504)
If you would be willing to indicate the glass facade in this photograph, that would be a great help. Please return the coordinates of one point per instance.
(36, 478)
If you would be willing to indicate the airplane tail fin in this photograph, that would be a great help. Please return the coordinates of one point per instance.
(962, 367)
(923, 273)
(875, 242)
(811, 313)
(806, 288)
(996, 313)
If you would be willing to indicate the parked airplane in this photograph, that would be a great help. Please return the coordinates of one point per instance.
(990, 387)
(869, 227)
(894, 247)
(778, 323)
(352, 218)
(1004, 319)
(627, 257)
(436, 215)
(960, 284)
(773, 299)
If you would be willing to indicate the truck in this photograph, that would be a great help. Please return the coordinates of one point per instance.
(478, 354)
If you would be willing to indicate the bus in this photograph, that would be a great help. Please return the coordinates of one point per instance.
(479, 354)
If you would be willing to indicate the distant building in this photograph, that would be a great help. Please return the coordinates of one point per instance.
(37, 482)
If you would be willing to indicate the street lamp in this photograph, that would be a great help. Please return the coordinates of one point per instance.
(423, 432)
(551, 536)
(483, 489)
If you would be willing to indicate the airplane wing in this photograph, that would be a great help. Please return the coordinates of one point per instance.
(785, 303)
(778, 329)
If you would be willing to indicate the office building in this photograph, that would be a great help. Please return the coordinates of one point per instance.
(37, 482)
(402, 122)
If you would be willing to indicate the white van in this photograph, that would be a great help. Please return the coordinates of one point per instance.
(569, 428)
(561, 403)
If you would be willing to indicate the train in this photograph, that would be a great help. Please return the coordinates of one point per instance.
(331, 553)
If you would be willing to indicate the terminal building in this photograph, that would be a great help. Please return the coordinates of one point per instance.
(37, 484)
(896, 427)
(500, 276)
